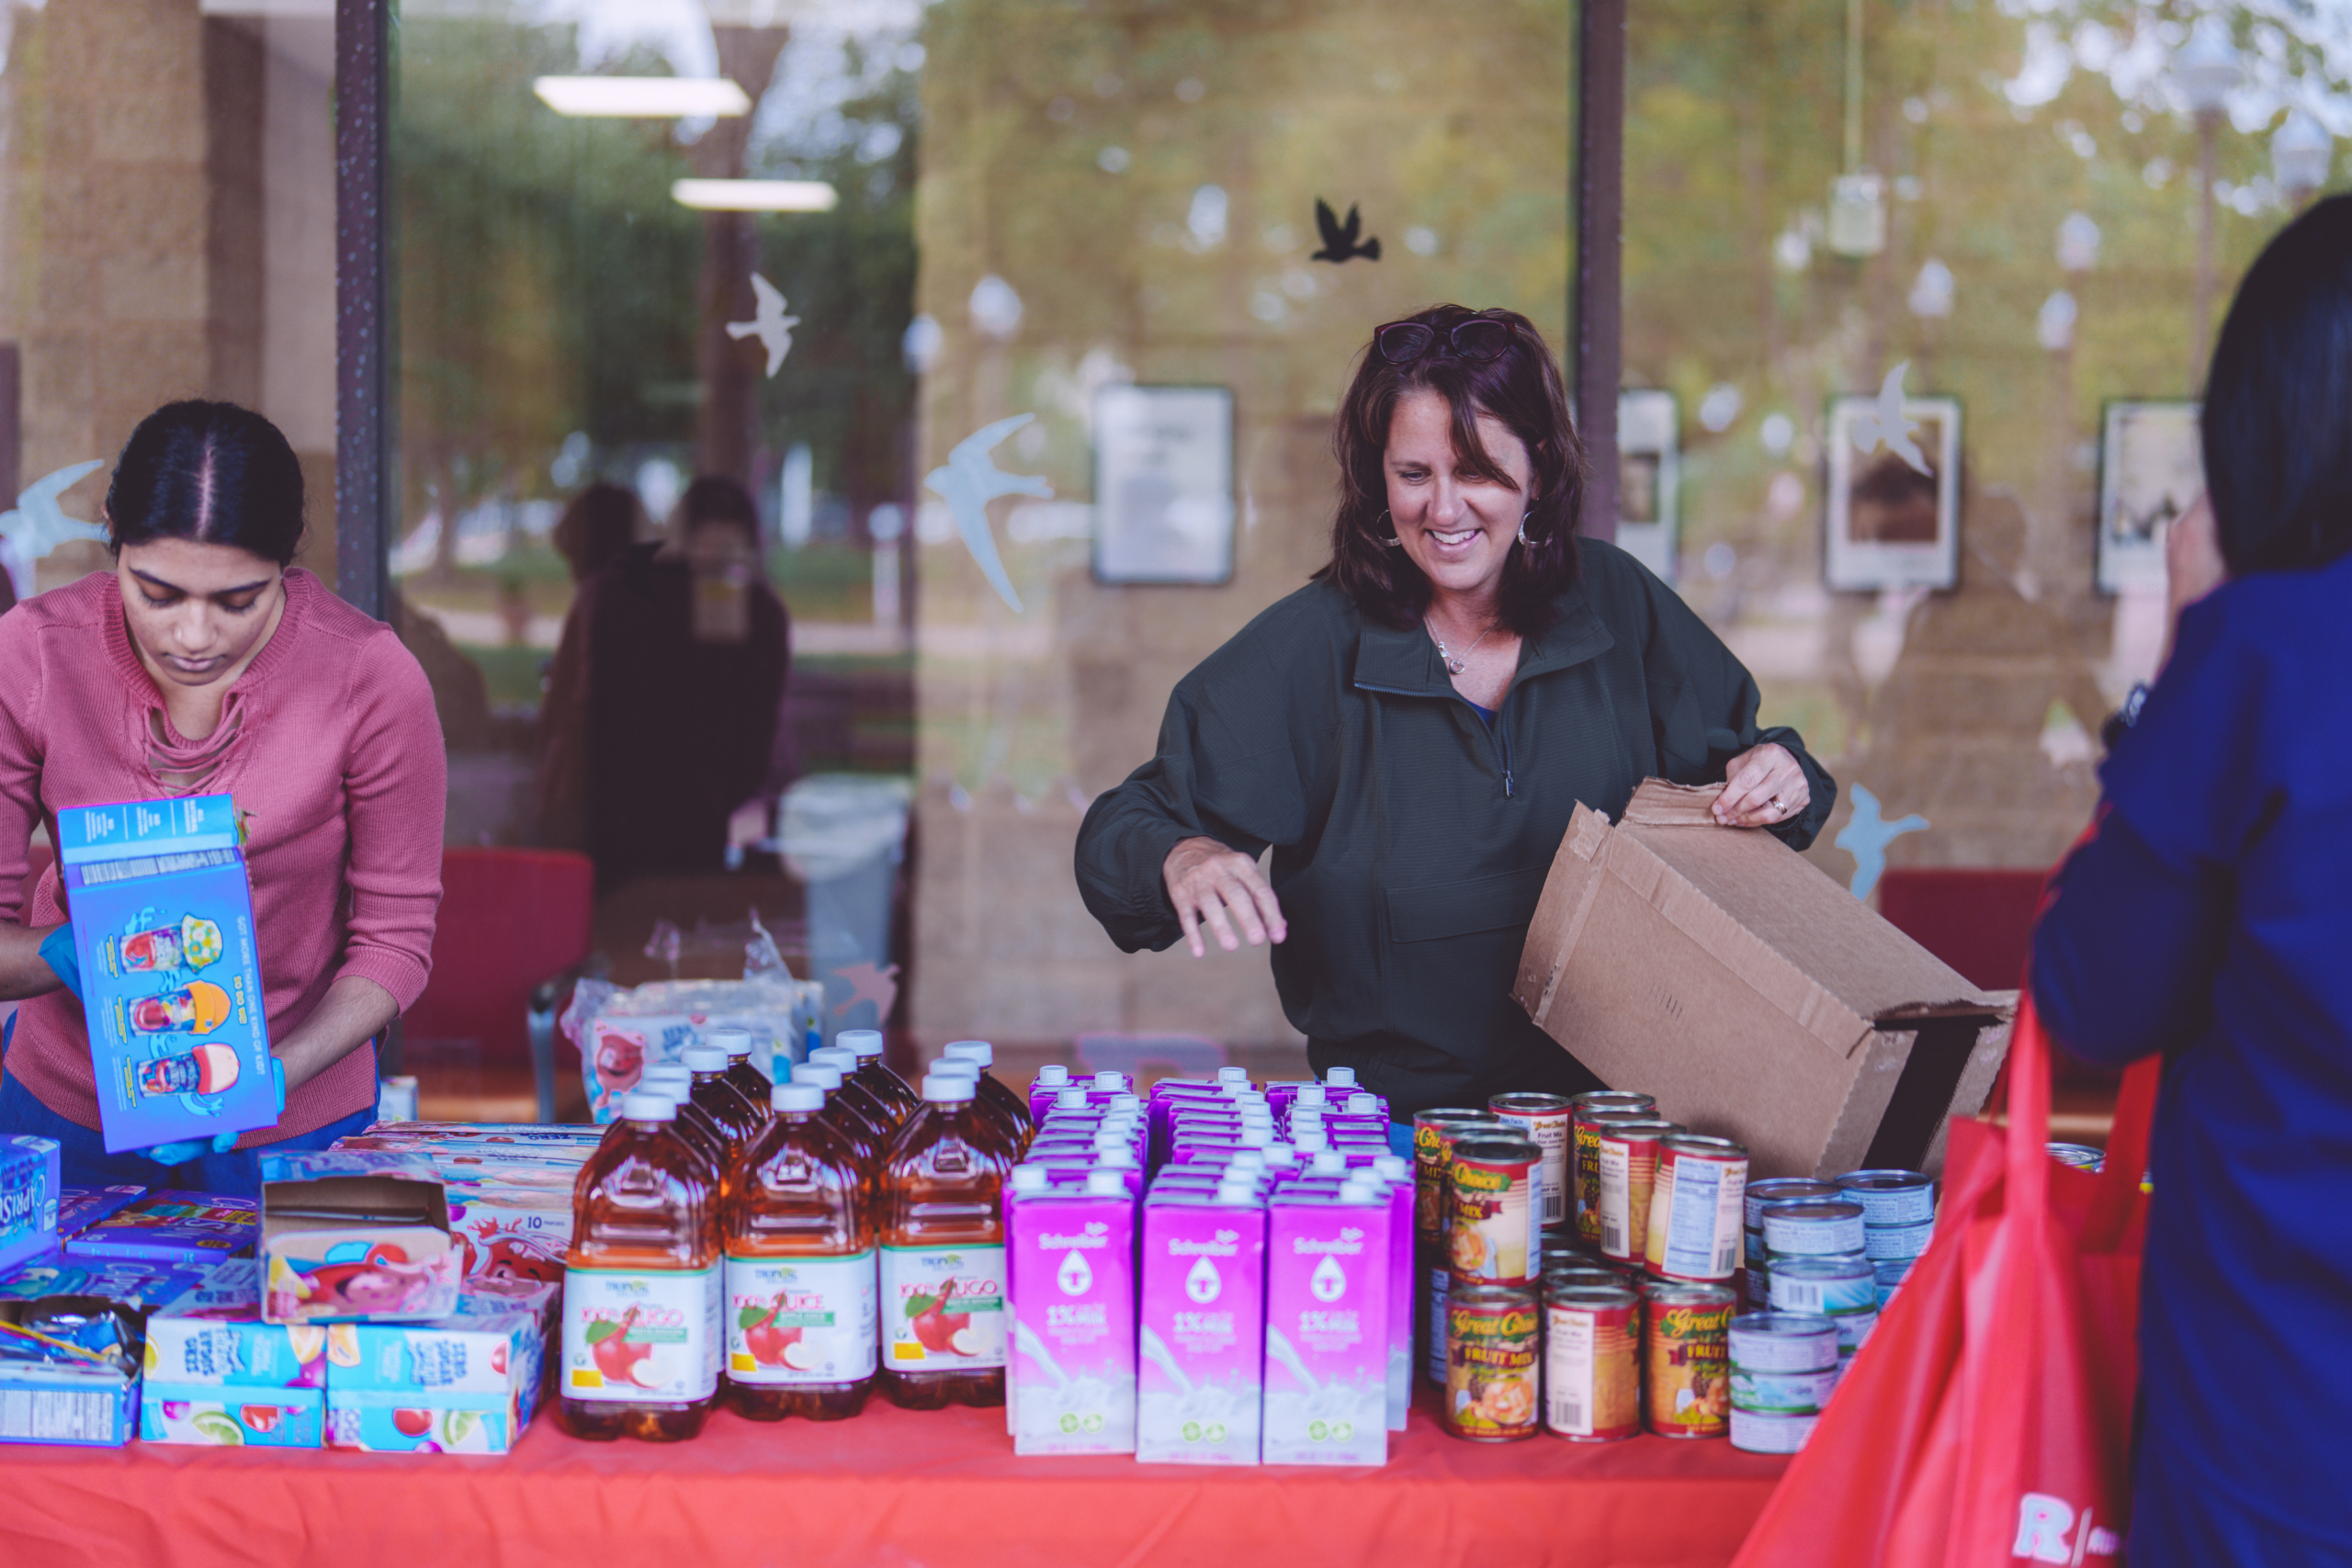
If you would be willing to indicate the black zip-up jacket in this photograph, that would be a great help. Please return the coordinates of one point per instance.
(1410, 840)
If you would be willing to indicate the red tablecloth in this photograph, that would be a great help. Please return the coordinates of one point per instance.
(891, 1487)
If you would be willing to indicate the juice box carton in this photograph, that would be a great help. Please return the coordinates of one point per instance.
(195, 1228)
(1201, 1334)
(355, 1236)
(171, 985)
(213, 1336)
(1326, 1329)
(28, 1197)
(79, 1207)
(225, 1417)
(468, 1383)
(1070, 1371)
(135, 1281)
(514, 1232)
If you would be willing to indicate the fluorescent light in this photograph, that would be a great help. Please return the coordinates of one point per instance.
(642, 97)
(755, 195)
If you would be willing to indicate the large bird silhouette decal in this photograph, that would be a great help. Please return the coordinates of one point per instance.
(969, 481)
(1865, 837)
(768, 323)
(1886, 423)
(1340, 238)
(39, 525)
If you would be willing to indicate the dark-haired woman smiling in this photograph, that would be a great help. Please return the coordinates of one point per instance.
(1411, 731)
(207, 664)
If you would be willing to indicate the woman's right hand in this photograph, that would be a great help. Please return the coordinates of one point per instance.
(2193, 567)
(1208, 882)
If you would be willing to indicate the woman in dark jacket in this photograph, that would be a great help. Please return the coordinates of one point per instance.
(2209, 919)
(1411, 730)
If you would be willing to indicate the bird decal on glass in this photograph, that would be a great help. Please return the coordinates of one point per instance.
(768, 323)
(969, 481)
(1886, 424)
(1865, 837)
(1340, 238)
(39, 525)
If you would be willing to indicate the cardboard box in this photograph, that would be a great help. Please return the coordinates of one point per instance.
(54, 1399)
(28, 1197)
(195, 1228)
(137, 1281)
(231, 1417)
(213, 1336)
(468, 1383)
(1718, 970)
(79, 1207)
(355, 1237)
(171, 985)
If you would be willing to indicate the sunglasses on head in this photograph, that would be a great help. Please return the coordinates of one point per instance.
(1481, 338)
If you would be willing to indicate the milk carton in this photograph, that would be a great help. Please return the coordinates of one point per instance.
(1070, 1376)
(1327, 1328)
(1201, 1334)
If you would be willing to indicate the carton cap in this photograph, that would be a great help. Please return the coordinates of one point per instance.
(1328, 1162)
(1391, 1167)
(795, 1096)
(1053, 1075)
(1363, 1105)
(1115, 1081)
(860, 1042)
(1126, 1101)
(1313, 1094)
(1233, 1075)
(734, 1042)
(639, 1105)
(1105, 1184)
(1070, 1099)
(1340, 1078)
(1029, 1178)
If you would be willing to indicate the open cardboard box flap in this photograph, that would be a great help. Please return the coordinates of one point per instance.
(1720, 971)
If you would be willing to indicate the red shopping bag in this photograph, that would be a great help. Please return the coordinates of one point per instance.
(1986, 1422)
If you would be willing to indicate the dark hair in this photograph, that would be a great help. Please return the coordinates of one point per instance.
(1522, 388)
(214, 473)
(715, 497)
(596, 528)
(2278, 424)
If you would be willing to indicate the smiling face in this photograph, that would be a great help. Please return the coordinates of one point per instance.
(198, 612)
(1455, 520)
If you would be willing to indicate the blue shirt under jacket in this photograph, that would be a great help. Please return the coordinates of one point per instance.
(2210, 918)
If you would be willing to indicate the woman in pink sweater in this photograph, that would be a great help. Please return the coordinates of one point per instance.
(205, 664)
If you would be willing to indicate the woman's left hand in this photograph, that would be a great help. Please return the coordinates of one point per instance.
(1764, 788)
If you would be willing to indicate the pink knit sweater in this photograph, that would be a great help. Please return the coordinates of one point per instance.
(337, 766)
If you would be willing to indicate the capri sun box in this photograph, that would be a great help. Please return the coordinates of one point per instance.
(1719, 970)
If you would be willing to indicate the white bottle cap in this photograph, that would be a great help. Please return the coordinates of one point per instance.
(1116, 1082)
(1361, 1189)
(1233, 1075)
(1279, 1156)
(1363, 1105)
(1029, 1178)
(823, 1075)
(957, 1066)
(660, 1073)
(1340, 1078)
(835, 1056)
(640, 1106)
(1308, 1140)
(859, 1043)
(1310, 1094)
(734, 1042)
(1053, 1075)
(948, 1088)
(1128, 1103)
(1120, 1158)
(1391, 1167)
(1251, 1160)
(1328, 1162)
(704, 1059)
(1256, 1137)
(1105, 1184)
(1237, 1192)
(795, 1096)
(978, 1052)
(1070, 1099)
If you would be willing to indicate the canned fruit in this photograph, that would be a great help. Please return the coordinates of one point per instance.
(1628, 1152)
(1891, 1197)
(1494, 1212)
(1686, 1360)
(1592, 1383)
(1432, 1160)
(1545, 1119)
(1492, 1336)
(1584, 1153)
(1695, 1213)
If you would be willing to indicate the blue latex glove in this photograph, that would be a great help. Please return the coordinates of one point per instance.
(57, 952)
(197, 1148)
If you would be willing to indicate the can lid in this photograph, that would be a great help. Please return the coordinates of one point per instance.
(948, 1088)
(733, 1041)
(639, 1105)
(795, 1096)
(1053, 1075)
(1588, 1292)
(1884, 1180)
(1340, 1078)
(978, 1052)
(1782, 1325)
(823, 1075)
(1705, 1143)
(704, 1059)
(860, 1042)
(1822, 1211)
(1499, 1144)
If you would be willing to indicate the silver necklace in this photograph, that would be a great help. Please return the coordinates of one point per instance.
(1454, 666)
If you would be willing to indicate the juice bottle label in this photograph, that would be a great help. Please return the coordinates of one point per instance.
(638, 1337)
(800, 1320)
(943, 1308)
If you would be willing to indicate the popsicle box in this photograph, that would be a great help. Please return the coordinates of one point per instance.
(57, 1398)
(28, 1197)
(213, 1336)
(195, 1228)
(352, 1236)
(467, 1383)
(171, 984)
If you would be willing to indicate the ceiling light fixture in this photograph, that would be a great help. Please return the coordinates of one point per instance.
(756, 195)
(642, 97)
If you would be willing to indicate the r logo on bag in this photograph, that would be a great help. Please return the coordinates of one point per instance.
(2044, 1524)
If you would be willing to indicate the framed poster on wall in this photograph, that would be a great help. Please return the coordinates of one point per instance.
(1893, 491)
(1649, 479)
(2151, 469)
(1164, 484)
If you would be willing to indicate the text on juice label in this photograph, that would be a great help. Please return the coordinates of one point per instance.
(943, 1308)
(637, 1337)
(798, 1321)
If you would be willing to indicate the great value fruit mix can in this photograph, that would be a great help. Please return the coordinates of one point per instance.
(1494, 1218)
(1201, 1331)
(1544, 1119)
(1433, 1134)
(1592, 1377)
(1695, 1213)
(1584, 1154)
(1492, 1336)
(1686, 1361)
(1628, 1180)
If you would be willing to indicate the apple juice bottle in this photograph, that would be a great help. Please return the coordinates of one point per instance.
(798, 1231)
(943, 1321)
(641, 1296)
(1001, 1125)
(742, 1117)
(982, 1055)
(701, 1131)
(878, 1112)
(875, 1075)
(748, 1081)
(866, 1141)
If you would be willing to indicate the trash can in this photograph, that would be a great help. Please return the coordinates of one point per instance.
(844, 835)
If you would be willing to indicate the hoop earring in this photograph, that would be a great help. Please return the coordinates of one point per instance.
(1392, 541)
(1522, 528)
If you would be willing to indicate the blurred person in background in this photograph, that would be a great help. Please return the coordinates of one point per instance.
(601, 525)
(2205, 918)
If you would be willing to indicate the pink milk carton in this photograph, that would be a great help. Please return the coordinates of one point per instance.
(1396, 1173)
(1070, 1367)
(1202, 1330)
(1327, 1328)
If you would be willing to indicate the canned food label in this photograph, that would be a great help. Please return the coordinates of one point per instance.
(1695, 1213)
(1438, 1288)
(1898, 1244)
(1895, 1204)
(1689, 1367)
(1828, 1298)
(943, 1308)
(1495, 1231)
(1593, 1385)
(800, 1321)
(1791, 1393)
(1628, 1180)
(1759, 1433)
(1490, 1368)
(1854, 1328)
(1758, 1352)
(1549, 1132)
(1584, 1179)
(1813, 1234)
(634, 1338)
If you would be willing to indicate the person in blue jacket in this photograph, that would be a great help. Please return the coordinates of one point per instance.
(2208, 917)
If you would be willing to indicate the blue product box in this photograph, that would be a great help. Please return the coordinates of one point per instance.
(79, 1207)
(171, 985)
(195, 1228)
(468, 1383)
(140, 1282)
(231, 1417)
(28, 1191)
(213, 1336)
(91, 1407)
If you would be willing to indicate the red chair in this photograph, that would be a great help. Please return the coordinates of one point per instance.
(514, 925)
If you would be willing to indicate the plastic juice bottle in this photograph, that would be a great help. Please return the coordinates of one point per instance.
(878, 1112)
(748, 1081)
(982, 1055)
(876, 1074)
(1011, 1131)
(865, 1141)
(640, 1284)
(743, 1119)
(674, 1082)
(943, 1253)
(798, 1232)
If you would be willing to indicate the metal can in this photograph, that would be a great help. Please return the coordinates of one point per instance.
(1493, 1334)
(1686, 1361)
(1592, 1372)
(1785, 1394)
(2080, 1157)
(1783, 1342)
(1628, 1178)
(1891, 1197)
(1437, 1285)
(1559, 1253)
(1898, 1244)
(1819, 1228)
(1493, 1212)
(1759, 1432)
(1584, 1196)
(1780, 1189)
(1432, 1160)
(1695, 1210)
(1854, 1329)
(1576, 1274)
(1831, 1287)
(1544, 1119)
